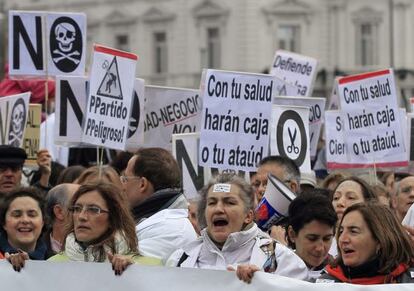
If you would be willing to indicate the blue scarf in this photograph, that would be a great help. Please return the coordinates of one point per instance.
(38, 254)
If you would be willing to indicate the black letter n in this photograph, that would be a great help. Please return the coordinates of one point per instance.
(20, 30)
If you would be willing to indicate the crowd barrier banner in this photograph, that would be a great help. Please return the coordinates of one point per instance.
(46, 276)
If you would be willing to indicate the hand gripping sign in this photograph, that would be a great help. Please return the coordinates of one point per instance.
(110, 97)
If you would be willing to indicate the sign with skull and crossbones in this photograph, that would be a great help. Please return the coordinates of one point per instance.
(67, 40)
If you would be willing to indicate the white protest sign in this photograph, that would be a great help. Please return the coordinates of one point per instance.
(71, 95)
(46, 44)
(135, 137)
(316, 115)
(110, 98)
(338, 154)
(371, 117)
(336, 148)
(295, 69)
(235, 122)
(14, 110)
(334, 100)
(26, 43)
(283, 88)
(170, 111)
(66, 36)
(290, 134)
(185, 149)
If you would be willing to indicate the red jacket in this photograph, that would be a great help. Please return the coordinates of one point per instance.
(37, 87)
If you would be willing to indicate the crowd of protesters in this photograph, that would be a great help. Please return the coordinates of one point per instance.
(345, 228)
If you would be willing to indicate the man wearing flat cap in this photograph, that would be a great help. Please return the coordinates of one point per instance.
(11, 164)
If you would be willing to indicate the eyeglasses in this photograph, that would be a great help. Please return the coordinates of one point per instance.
(89, 209)
(125, 179)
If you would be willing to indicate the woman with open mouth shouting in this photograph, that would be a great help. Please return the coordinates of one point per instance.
(22, 221)
(373, 248)
(230, 239)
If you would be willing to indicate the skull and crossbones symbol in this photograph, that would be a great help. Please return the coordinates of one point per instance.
(65, 34)
(18, 119)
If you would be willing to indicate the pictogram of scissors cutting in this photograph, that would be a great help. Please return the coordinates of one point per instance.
(292, 147)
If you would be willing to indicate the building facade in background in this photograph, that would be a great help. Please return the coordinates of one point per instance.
(176, 39)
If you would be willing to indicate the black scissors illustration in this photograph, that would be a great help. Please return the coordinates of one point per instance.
(292, 147)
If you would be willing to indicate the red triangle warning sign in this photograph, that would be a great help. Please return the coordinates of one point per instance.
(111, 84)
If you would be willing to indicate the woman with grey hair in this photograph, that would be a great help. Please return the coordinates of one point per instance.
(230, 239)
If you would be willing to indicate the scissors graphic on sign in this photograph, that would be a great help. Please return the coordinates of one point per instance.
(292, 147)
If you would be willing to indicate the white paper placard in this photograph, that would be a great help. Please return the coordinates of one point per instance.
(14, 111)
(295, 69)
(316, 116)
(235, 122)
(110, 97)
(290, 134)
(170, 111)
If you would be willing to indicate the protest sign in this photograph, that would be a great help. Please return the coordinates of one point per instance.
(235, 121)
(185, 149)
(334, 99)
(13, 117)
(77, 276)
(31, 138)
(46, 44)
(71, 95)
(336, 148)
(135, 137)
(283, 88)
(109, 101)
(170, 111)
(66, 36)
(290, 134)
(338, 153)
(295, 69)
(371, 118)
(316, 116)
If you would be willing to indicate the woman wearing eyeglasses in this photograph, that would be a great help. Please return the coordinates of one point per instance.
(102, 229)
(21, 219)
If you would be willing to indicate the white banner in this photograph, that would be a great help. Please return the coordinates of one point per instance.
(14, 110)
(110, 98)
(45, 44)
(371, 119)
(170, 111)
(290, 134)
(316, 116)
(295, 69)
(47, 276)
(235, 122)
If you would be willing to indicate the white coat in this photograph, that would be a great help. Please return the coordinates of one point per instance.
(244, 247)
(164, 232)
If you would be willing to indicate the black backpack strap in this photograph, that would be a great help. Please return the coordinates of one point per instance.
(182, 259)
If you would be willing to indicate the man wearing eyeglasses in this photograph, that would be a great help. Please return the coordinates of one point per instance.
(404, 197)
(152, 183)
(11, 164)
